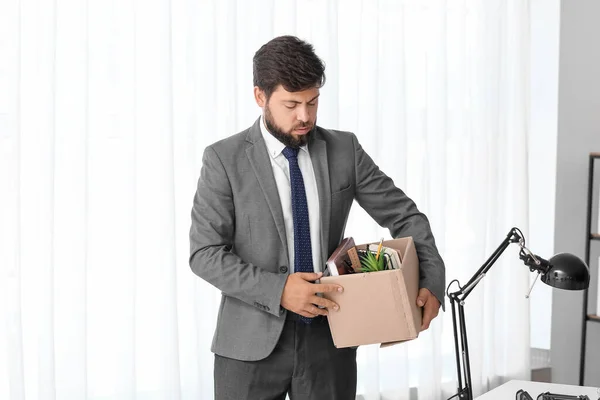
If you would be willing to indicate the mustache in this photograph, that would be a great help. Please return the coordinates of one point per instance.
(303, 125)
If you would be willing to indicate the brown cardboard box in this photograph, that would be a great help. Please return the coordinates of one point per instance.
(378, 307)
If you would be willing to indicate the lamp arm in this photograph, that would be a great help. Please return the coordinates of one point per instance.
(514, 236)
(457, 299)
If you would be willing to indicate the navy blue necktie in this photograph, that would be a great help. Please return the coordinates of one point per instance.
(302, 247)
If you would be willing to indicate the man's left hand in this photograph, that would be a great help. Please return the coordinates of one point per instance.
(430, 305)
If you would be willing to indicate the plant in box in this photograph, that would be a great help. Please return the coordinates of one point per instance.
(374, 261)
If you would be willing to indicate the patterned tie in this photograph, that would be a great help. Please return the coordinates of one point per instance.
(302, 247)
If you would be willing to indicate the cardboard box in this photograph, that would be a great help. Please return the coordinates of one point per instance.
(378, 307)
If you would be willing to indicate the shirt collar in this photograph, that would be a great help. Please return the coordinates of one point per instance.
(274, 146)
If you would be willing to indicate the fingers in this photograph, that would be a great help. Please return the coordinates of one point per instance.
(318, 287)
(326, 287)
(299, 295)
(310, 276)
(427, 317)
(423, 296)
(328, 304)
(312, 311)
(430, 311)
(430, 304)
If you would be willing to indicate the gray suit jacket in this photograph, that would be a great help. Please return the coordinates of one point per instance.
(238, 241)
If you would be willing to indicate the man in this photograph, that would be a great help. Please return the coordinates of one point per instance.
(271, 205)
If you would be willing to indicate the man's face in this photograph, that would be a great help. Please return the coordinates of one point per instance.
(289, 116)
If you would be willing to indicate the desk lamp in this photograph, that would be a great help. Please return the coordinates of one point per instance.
(563, 271)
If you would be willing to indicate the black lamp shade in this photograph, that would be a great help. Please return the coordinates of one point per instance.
(567, 271)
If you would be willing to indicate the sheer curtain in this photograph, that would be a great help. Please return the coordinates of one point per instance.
(105, 108)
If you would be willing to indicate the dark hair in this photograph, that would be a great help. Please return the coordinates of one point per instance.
(290, 62)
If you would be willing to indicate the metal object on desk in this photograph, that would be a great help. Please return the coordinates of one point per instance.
(523, 395)
(554, 396)
(507, 390)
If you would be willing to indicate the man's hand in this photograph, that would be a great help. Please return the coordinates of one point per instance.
(430, 304)
(299, 295)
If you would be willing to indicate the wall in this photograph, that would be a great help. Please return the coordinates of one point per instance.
(578, 135)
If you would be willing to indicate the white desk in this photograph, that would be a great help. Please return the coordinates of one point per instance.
(509, 390)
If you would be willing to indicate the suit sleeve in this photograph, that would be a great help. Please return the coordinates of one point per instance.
(391, 208)
(211, 243)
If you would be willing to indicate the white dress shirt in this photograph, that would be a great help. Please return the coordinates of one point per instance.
(281, 171)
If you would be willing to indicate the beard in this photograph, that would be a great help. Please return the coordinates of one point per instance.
(286, 137)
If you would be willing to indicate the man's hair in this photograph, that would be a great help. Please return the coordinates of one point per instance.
(290, 62)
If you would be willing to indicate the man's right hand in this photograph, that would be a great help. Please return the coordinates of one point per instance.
(299, 294)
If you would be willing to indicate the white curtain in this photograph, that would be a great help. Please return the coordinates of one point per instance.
(105, 108)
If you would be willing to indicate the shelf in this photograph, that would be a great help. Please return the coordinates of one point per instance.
(594, 157)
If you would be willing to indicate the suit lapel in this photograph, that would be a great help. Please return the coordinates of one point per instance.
(318, 156)
(261, 164)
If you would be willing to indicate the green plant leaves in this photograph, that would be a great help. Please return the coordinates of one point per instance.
(370, 263)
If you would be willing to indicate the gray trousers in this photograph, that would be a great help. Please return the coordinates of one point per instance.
(305, 364)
